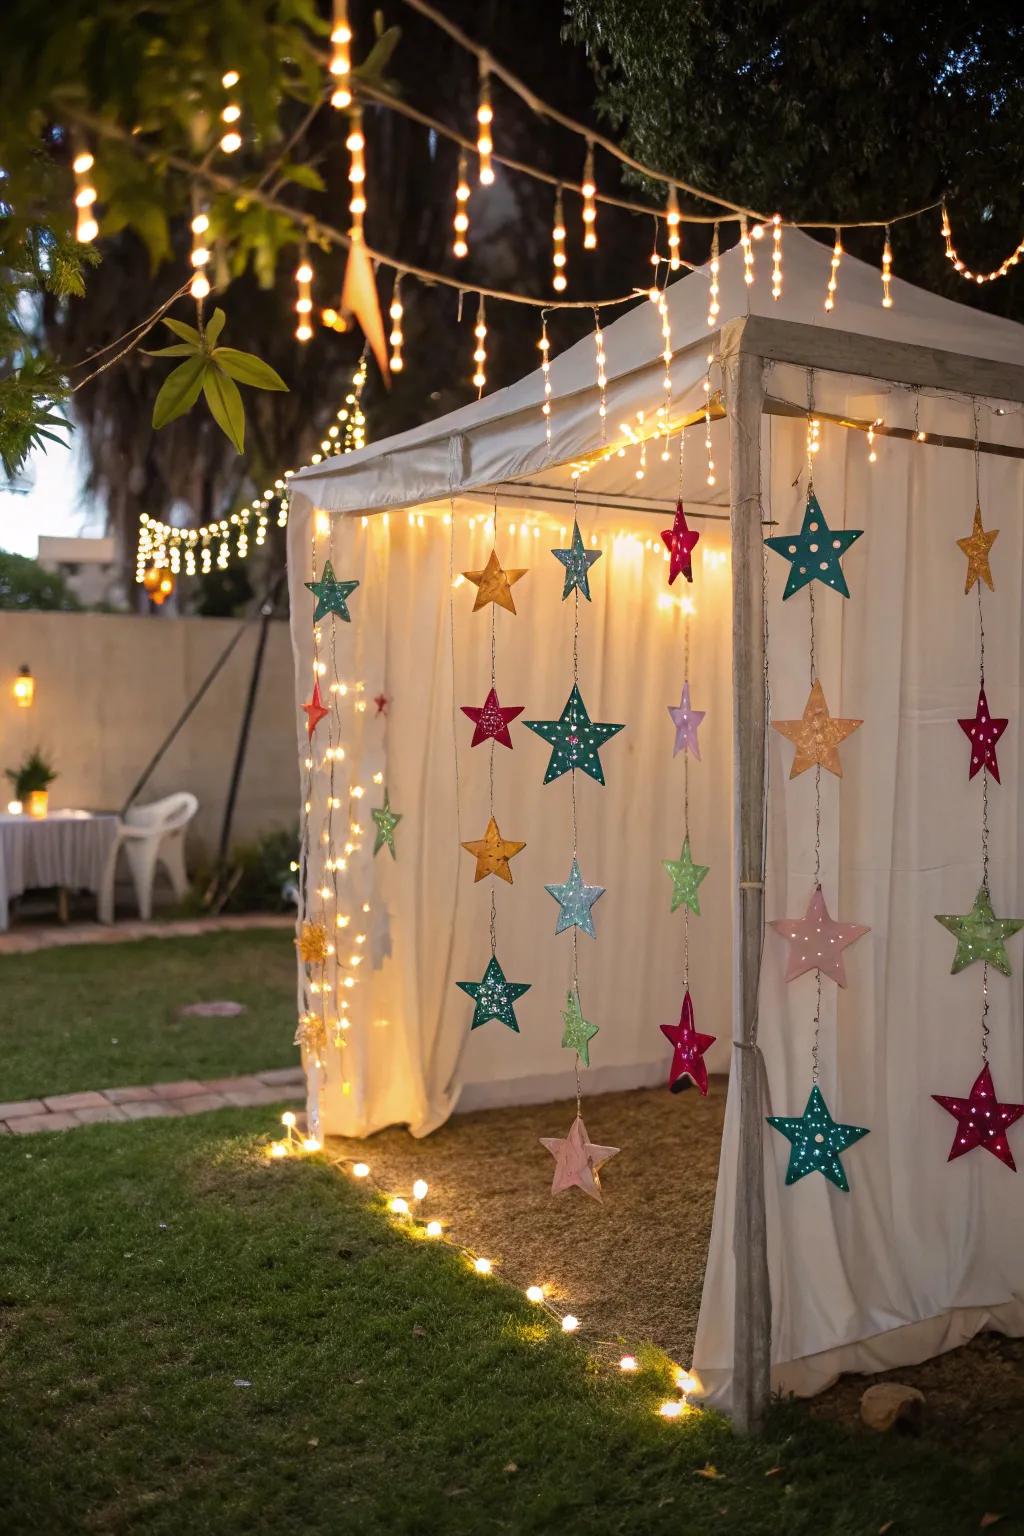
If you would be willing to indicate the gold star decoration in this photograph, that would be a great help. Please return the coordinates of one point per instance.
(312, 943)
(494, 584)
(976, 548)
(492, 853)
(816, 735)
(311, 1036)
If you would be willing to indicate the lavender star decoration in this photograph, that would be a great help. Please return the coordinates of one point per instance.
(687, 722)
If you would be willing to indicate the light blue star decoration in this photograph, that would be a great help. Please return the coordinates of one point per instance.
(493, 996)
(575, 900)
(815, 552)
(816, 1141)
(577, 561)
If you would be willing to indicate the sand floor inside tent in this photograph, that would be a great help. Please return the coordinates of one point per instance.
(630, 1267)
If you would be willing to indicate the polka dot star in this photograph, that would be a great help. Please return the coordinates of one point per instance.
(574, 739)
(494, 997)
(981, 1121)
(680, 543)
(331, 595)
(577, 560)
(815, 552)
(491, 721)
(816, 942)
(980, 935)
(816, 1141)
(983, 732)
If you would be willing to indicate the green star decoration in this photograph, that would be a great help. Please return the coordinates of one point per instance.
(494, 996)
(980, 935)
(331, 595)
(578, 1033)
(386, 821)
(574, 739)
(816, 1141)
(815, 552)
(577, 561)
(575, 898)
(686, 877)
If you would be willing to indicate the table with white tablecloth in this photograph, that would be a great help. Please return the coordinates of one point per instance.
(67, 849)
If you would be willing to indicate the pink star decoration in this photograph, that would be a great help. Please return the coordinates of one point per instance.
(981, 1120)
(577, 1160)
(491, 720)
(689, 1047)
(983, 732)
(680, 543)
(687, 722)
(816, 942)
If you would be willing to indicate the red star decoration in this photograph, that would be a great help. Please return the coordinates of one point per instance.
(983, 732)
(491, 720)
(680, 543)
(382, 701)
(689, 1047)
(981, 1120)
(315, 710)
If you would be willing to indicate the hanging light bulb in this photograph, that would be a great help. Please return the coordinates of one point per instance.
(460, 223)
(776, 256)
(559, 279)
(304, 301)
(887, 271)
(545, 364)
(602, 376)
(589, 190)
(748, 252)
(713, 304)
(86, 227)
(356, 146)
(230, 115)
(395, 338)
(484, 118)
(341, 57)
(200, 254)
(672, 221)
(480, 351)
(833, 274)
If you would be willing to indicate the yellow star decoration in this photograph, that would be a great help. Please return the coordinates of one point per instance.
(492, 853)
(816, 735)
(976, 548)
(311, 1035)
(494, 584)
(312, 943)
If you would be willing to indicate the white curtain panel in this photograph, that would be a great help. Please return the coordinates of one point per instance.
(921, 1252)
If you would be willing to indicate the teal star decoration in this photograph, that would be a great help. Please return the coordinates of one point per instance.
(331, 595)
(575, 898)
(574, 739)
(577, 561)
(386, 821)
(816, 1141)
(980, 935)
(578, 1033)
(815, 552)
(494, 996)
(686, 877)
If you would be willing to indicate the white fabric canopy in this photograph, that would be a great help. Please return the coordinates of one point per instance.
(921, 1252)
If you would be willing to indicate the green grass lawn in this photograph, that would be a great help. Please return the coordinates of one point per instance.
(107, 1015)
(145, 1270)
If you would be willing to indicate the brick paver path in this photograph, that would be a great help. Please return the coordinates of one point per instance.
(64, 1111)
(21, 941)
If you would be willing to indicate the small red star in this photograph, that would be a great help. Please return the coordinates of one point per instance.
(983, 732)
(491, 720)
(382, 701)
(315, 710)
(689, 1047)
(981, 1120)
(680, 543)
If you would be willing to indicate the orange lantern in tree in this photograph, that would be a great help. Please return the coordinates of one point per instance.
(151, 579)
(164, 589)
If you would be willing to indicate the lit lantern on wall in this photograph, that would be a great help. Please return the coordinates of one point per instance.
(159, 583)
(24, 688)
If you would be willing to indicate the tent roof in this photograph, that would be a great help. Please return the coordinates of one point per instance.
(501, 437)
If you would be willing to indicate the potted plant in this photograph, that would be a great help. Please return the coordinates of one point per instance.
(32, 780)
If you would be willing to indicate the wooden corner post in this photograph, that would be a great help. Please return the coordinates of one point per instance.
(743, 375)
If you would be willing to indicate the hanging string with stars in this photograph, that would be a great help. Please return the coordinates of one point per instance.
(985, 1029)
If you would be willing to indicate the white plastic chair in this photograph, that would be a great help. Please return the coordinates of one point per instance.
(150, 835)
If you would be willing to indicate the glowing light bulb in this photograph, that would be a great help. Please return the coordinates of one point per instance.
(399, 1206)
(671, 1409)
(433, 1229)
(482, 1266)
(484, 118)
(288, 1119)
(310, 1144)
(833, 272)
(278, 1149)
(685, 1381)
(86, 227)
(535, 1293)
(420, 1188)
(361, 1170)
(887, 272)
(570, 1323)
(395, 338)
(628, 1363)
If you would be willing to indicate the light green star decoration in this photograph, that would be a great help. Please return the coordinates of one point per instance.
(686, 877)
(386, 820)
(816, 1141)
(331, 595)
(980, 935)
(493, 996)
(578, 1033)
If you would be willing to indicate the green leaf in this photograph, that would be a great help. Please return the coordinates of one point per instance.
(186, 332)
(214, 326)
(247, 368)
(180, 349)
(302, 175)
(179, 391)
(225, 401)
